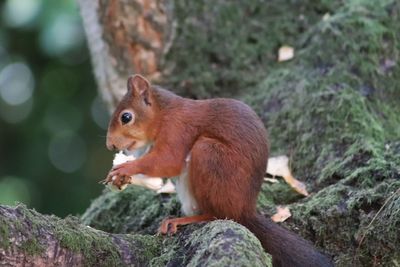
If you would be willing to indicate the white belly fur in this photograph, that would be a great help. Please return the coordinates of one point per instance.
(188, 203)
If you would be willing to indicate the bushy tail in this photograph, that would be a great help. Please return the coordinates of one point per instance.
(287, 249)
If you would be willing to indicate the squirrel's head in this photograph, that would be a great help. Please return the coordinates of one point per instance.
(130, 125)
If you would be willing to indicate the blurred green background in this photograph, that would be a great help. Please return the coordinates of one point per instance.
(52, 123)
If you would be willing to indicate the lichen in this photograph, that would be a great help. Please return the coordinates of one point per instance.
(4, 234)
(223, 47)
(150, 247)
(218, 243)
(135, 209)
(31, 239)
(333, 110)
(225, 243)
(97, 249)
(32, 247)
(188, 246)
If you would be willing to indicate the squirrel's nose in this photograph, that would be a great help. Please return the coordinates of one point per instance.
(110, 145)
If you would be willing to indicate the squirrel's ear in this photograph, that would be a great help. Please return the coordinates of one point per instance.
(139, 86)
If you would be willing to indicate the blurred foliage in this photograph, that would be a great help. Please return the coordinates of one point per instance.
(52, 125)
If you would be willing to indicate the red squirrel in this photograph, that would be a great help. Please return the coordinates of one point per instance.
(219, 149)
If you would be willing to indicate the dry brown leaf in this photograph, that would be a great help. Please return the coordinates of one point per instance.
(282, 214)
(285, 53)
(279, 166)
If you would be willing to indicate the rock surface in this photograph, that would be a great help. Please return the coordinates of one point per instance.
(333, 109)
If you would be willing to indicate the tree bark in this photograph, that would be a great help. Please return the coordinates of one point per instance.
(126, 38)
(28, 238)
(32, 239)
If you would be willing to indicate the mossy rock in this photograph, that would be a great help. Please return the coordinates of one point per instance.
(138, 210)
(334, 110)
(135, 209)
(223, 47)
(218, 243)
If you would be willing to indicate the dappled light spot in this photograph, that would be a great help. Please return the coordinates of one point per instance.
(67, 152)
(64, 34)
(17, 13)
(16, 83)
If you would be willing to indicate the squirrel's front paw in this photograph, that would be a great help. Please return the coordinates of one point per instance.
(124, 169)
(120, 181)
(120, 175)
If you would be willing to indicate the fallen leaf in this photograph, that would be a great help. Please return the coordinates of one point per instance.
(271, 180)
(279, 166)
(282, 214)
(168, 187)
(326, 17)
(152, 183)
(285, 53)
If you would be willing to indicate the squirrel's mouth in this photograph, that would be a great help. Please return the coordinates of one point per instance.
(131, 146)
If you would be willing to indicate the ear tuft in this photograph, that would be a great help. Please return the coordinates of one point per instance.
(138, 84)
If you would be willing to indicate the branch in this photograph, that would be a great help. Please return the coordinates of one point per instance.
(30, 238)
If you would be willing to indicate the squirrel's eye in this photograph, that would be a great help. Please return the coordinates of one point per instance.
(126, 117)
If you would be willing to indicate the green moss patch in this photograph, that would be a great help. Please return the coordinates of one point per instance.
(4, 234)
(218, 243)
(223, 47)
(135, 209)
(334, 110)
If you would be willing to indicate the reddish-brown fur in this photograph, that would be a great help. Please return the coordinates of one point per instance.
(227, 143)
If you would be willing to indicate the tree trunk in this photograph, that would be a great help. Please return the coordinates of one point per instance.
(126, 38)
(333, 109)
(31, 239)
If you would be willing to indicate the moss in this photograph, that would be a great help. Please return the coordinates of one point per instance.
(333, 109)
(223, 47)
(150, 246)
(31, 242)
(218, 243)
(32, 247)
(168, 252)
(138, 205)
(97, 249)
(350, 214)
(276, 193)
(133, 210)
(4, 234)
(229, 243)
